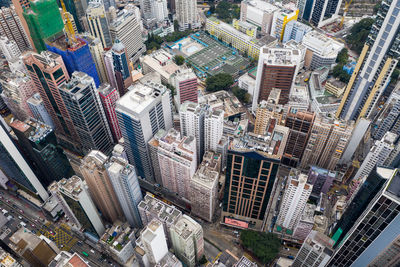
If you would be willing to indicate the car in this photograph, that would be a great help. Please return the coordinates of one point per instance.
(20, 217)
(8, 201)
(92, 251)
(33, 225)
(290, 257)
(287, 249)
(21, 211)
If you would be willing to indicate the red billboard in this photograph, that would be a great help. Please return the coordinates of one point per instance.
(236, 223)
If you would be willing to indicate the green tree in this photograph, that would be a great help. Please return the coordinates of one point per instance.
(176, 25)
(265, 246)
(359, 33)
(220, 81)
(179, 60)
(203, 260)
(241, 94)
(343, 56)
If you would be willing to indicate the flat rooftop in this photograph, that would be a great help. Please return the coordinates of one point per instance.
(262, 5)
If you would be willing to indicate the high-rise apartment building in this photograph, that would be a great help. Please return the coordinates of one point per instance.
(153, 148)
(13, 28)
(280, 19)
(328, 139)
(122, 67)
(73, 196)
(300, 125)
(141, 112)
(376, 220)
(187, 240)
(17, 88)
(294, 200)
(378, 154)
(316, 251)
(153, 241)
(390, 256)
(15, 167)
(109, 97)
(126, 186)
(389, 119)
(185, 82)
(98, 24)
(268, 110)
(38, 110)
(213, 129)
(277, 68)
(187, 14)
(126, 28)
(97, 51)
(204, 186)
(295, 30)
(44, 21)
(9, 48)
(39, 143)
(305, 223)
(159, 10)
(83, 103)
(94, 172)
(259, 13)
(191, 116)
(375, 65)
(177, 161)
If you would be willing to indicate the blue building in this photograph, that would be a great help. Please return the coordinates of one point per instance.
(121, 67)
(295, 30)
(349, 67)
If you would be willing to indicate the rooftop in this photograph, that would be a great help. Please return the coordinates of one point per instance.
(105, 89)
(322, 44)
(72, 186)
(37, 130)
(186, 227)
(337, 83)
(245, 262)
(280, 56)
(35, 99)
(262, 5)
(164, 212)
(223, 100)
(117, 236)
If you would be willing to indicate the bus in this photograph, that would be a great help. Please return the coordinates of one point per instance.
(85, 254)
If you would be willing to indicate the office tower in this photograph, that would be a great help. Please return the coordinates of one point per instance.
(259, 13)
(152, 208)
(94, 172)
(204, 186)
(294, 200)
(38, 109)
(187, 240)
(98, 24)
(377, 222)
(300, 125)
(177, 161)
(13, 28)
(213, 129)
(97, 52)
(185, 82)
(378, 154)
(187, 14)
(17, 88)
(159, 10)
(153, 148)
(15, 167)
(191, 116)
(39, 143)
(83, 103)
(126, 28)
(73, 196)
(315, 251)
(328, 139)
(109, 97)
(390, 256)
(277, 68)
(48, 72)
(154, 242)
(375, 65)
(9, 48)
(109, 68)
(323, 11)
(141, 113)
(295, 30)
(360, 128)
(389, 118)
(122, 68)
(247, 164)
(280, 19)
(305, 223)
(44, 21)
(321, 180)
(126, 186)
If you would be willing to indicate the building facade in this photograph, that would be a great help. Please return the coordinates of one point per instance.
(108, 98)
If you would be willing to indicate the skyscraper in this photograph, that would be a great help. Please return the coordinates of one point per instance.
(126, 28)
(39, 143)
(294, 200)
(323, 10)
(9, 48)
(154, 242)
(12, 27)
(97, 51)
(48, 72)
(44, 21)
(185, 82)
(375, 64)
(38, 110)
(153, 148)
(277, 68)
(73, 196)
(83, 103)
(141, 112)
(375, 216)
(126, 185)
(187, 14)
(94, 172)
(191, 116)
(98, 24)
(300, 125)
(213, 129)
(109, 97)
(389, 119)
(122, 68)
(177, 160)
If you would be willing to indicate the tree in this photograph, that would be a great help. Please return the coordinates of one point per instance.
(343, 56)
(179, 60)
(220, 81)
(264, 246)
(203, 260)
(176, 25)
(359, 33)
(241, 94)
